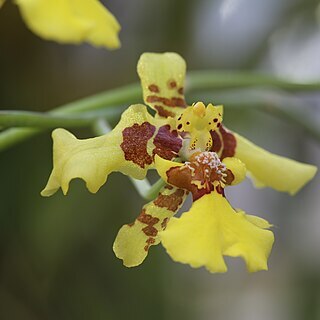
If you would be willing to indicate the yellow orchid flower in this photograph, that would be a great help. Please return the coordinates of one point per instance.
(194, 153)
(71, 21)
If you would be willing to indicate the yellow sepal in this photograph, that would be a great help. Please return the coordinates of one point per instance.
(162, 76)
(270, 170)
(134, 240)
(94, 159)
(130, 243)
(212, 229)
(71, 21)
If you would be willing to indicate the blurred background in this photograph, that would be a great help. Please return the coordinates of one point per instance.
(56, 259)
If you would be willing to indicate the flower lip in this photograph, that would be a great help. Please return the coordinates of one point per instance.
(201, 175)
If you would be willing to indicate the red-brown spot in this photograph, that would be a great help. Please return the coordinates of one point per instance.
(149, 242)
(229, 143)
(168, 143)
(173, 102)
(150, 221)
(135, 141)
(171, 202)
(164, 223)
(220, 190)
(172, 84)
(216, 141)
(162, 112)
(230, 177)
(181, 90)
(154, 88)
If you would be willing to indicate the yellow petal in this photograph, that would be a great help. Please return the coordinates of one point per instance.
(211, 229)
(237, 168)
(134, 240)
(162, 78)
(71, 21)
(259, 222)
(125, 149)
(270, 170)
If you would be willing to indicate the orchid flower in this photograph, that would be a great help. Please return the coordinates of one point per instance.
(70, 21)
(194, 153)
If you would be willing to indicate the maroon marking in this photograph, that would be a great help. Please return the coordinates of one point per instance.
(229, 143)
(150, 221)
(149, 242)
(168, 187)
(180, 90)
(164, 223)
(171, 202)
(215, 120)
(154, 88)
(162, 112)
(168, 143)
(216, 142)
(173, 102)
(178, 102)
(230, 177)
(172, 84)
(135, 141)
(220, 190)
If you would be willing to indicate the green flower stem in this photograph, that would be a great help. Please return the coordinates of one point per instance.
(128, 94)
(45, 120)
(143, 187)
(154, 190)
(228, 80)
(12, 136)
(197, 80)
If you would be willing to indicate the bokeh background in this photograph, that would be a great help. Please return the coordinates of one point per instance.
(56, 253)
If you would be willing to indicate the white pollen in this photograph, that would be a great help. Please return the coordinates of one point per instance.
(212, 160)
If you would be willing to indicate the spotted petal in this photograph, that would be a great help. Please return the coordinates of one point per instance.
(162, 78)
(212, 229)
(71, 21)
(129, 148)
(270, 170)
(134, 240)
